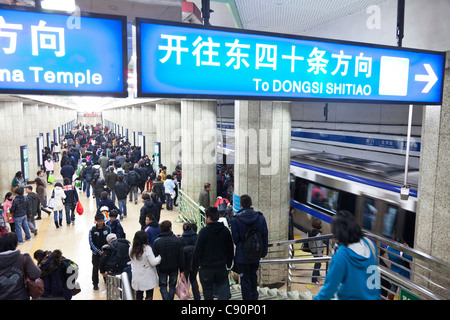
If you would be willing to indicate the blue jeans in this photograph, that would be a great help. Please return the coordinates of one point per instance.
(173, 277)
(134, 190)
(123, 206)
(87, 187)
(249, 280)
(215, 279)
(55, 215)
(21, 223)
(70, 213)
(169, 202)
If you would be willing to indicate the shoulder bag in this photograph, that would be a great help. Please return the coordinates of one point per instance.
(35, 287)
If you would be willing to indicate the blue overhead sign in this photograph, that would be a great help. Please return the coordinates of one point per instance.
(180, 60)
(47, 52)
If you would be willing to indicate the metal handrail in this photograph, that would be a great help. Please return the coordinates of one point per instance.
(190, 211)
(409, 284)
(126, 287)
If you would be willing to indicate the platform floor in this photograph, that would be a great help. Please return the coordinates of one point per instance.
(73, 240)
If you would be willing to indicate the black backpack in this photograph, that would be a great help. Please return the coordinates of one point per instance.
(117, 260)
(253, 246)
(222, 207)
(305, 245)
(133, 178)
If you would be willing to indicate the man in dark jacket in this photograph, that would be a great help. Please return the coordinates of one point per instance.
(213, 254)
(148, 208)
(122, 188)
(97, 239)
(67, 171)
(20, 209)
(115, 255)
(70, 203)
(247, 267)
(170, 247)
(35, 208)
(133, 180)
(87, 175)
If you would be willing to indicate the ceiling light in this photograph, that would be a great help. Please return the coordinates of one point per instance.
(63, 5)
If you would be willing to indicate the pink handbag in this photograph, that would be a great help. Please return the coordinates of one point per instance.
(182, 289)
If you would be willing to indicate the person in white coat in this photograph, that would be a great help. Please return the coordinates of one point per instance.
(57, 203)
(143, 267)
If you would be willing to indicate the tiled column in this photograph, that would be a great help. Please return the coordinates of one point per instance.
(148, 113)
(262, 159)
(198, 147)
(168, 124)
(433, 208)
(11, 138)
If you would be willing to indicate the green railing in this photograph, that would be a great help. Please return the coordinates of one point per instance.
(190, 211)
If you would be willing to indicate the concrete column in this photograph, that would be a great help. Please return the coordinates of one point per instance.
(433, 213)
(31, 132)
(198, 145)
(262, 160)
(168, 124)
(148, 113)
(11, 138)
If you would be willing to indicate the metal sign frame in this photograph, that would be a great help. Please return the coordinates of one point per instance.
(121, 92)
(200, 94)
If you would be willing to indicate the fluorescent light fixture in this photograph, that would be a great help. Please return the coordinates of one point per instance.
(63, 5)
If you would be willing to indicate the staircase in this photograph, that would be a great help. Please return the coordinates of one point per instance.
(270, 294)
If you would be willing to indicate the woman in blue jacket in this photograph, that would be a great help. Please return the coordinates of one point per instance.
(353, 273)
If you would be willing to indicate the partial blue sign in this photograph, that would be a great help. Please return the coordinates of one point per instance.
(55, 53)
(180, 60)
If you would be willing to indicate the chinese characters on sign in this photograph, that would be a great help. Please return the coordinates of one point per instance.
(265, 56)
(39, 52)
(219, 62)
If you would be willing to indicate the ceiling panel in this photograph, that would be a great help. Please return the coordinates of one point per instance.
(297, 16)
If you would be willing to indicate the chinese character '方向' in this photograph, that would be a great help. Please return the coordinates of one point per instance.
(43, 37)
(8, 34)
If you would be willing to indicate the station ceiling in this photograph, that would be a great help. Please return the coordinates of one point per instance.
(284, 16)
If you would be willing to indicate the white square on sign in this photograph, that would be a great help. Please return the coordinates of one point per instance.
(394, 76)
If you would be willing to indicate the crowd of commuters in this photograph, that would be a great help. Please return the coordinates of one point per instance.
(95, 158)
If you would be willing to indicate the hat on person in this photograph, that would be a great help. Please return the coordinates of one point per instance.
(110, 237)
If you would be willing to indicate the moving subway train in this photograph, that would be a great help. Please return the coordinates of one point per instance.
(322, 184)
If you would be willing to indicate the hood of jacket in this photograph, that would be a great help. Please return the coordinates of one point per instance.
(149, 204)
(8, 258)
(247, 216)
(215, 227)
(359, 254)
(51, 263)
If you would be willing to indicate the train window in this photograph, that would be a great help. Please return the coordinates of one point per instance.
(322, 197)
(370, 213)
(389, 221)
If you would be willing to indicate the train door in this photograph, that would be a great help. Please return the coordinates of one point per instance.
(385, 218)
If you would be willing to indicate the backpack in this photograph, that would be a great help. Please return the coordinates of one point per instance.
(89, 174)
(305, 245)
(188, 253)
(116, 261)
(252, 246)
(222, 207)
(132, 178)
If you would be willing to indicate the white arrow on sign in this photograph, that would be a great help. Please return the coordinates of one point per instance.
(431, 78)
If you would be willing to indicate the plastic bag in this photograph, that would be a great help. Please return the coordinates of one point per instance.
(80, 209)
(51, 178)
(182, 289)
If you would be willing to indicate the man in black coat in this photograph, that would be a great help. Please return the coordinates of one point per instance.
(148, 208)
(67, 171)
(170, 247)
(214, 254)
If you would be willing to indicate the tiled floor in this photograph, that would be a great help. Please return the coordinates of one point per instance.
(73, 240)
